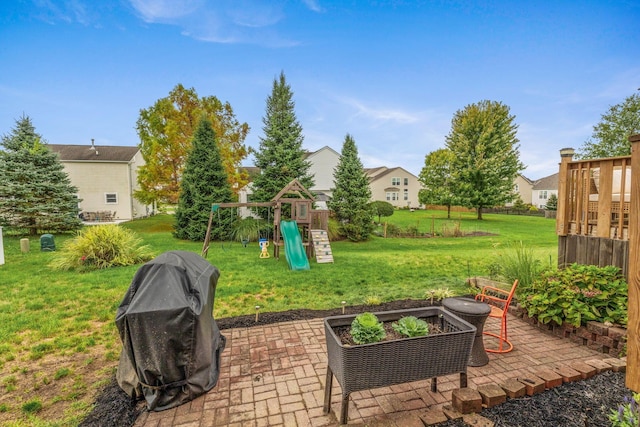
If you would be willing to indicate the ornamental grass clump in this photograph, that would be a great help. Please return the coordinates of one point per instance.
(367, 329)
(101, 246)
(411, 326)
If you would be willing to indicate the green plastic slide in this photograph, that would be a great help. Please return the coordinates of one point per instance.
(293, 247)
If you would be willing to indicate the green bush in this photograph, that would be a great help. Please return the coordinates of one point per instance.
(366, 329)
(628, 413)
(411, 326)
(250, 229)
(99, 247)
(578, 294)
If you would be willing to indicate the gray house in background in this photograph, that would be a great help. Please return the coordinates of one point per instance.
(542, 189)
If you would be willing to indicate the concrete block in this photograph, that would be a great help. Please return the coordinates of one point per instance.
(586, 371)
(600, 365)
(617, 365)
(466, 400)
(532, 383)
(551, 379)
(433, 416)
(513, 388)
(492, 395)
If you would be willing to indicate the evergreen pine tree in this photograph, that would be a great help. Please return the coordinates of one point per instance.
(35, 191)
(280, 156)
(351, 195)
(204, 182)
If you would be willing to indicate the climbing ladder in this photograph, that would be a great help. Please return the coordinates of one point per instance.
(321, 246)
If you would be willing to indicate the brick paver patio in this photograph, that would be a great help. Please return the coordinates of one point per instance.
(274, 375)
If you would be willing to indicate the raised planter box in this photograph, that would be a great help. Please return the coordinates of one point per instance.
(385, 363)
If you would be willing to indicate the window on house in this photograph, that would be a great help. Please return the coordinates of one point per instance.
(392, 196)
(395, 181)
(406, 194)
(111, 198)
(516, 187)
(406, 181)
(542, 194)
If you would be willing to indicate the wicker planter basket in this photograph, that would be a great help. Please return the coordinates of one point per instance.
(385, 363)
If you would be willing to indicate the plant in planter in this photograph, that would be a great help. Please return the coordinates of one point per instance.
(411, 326)
(366, 329)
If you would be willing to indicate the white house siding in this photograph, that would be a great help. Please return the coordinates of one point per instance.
(323, 164)
(96, 180)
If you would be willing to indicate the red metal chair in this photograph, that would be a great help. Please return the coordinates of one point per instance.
(499, 300)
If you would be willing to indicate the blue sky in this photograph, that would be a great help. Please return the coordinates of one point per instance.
(390, 73)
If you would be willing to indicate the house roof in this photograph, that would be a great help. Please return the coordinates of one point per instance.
(97, 153)
(526, 179)
(375, 174)
(547, 183)
(308, 154)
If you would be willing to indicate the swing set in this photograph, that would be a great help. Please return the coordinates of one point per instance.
(301, 201)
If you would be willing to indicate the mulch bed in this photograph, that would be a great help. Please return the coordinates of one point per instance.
(581, 404)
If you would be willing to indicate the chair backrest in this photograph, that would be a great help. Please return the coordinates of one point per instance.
(512, 292)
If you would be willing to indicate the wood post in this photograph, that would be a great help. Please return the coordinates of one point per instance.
(562, 215)
(633, 327)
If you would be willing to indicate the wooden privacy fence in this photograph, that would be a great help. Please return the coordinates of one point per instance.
(592, 221)
(598, 222)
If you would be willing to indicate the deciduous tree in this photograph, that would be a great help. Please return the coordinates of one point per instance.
(35, 192)
(610, 136)
(280, 156)
(351, 195)
(166, 130)
(486, 157)
(382, 208)
(437, 180)
(204, 182)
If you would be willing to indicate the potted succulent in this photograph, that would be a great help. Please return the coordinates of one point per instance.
(420, 355)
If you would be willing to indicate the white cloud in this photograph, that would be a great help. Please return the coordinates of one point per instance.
(313, 5)
(152, 11)
(222, 21)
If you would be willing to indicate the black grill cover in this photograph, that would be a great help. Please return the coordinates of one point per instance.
(171, 343)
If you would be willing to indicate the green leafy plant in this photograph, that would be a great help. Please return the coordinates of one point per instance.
(366, 329)
(520, 262)
(100, 247)
(578, 294)
(32, 406)
(250, 229)
(411, 326)
(439, 294)
(628, 413)
(373, 300)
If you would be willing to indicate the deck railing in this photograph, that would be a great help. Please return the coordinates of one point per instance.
(594, 197)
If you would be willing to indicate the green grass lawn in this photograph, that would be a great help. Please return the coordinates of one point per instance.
(57, 331)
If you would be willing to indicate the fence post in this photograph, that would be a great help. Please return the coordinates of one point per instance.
(633, 276)
(562, 214)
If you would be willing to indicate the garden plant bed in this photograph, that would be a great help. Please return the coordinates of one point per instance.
(384, 363)
(571, 403)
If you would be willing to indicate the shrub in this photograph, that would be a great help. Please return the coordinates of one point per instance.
(366, 329)
(628, 413)
(99, 247)
(577, 294)
(411, 326)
